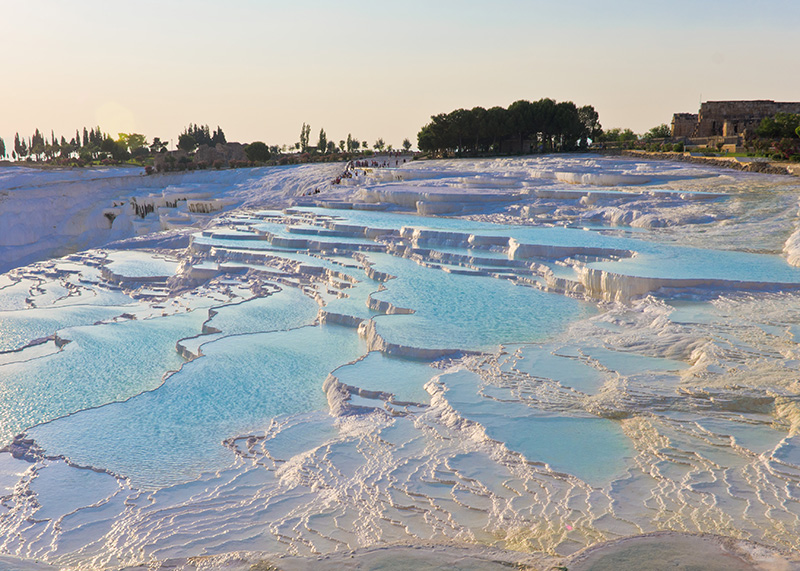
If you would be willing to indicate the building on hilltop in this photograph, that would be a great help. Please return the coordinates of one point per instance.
(726, 122)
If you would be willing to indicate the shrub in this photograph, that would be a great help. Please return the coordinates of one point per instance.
(148, 170)
(218, 164)
(257, 152)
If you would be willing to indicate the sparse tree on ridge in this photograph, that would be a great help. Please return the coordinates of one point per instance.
(157, 146)
(406, 144)
(352, 144)
(379, 145)
(305, 131)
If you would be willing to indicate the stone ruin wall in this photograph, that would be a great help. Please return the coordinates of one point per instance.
(683, 124)
(728, 118)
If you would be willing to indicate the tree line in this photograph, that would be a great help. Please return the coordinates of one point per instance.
(524, 127)
(325, 148)
(195, 135)
(92, 145)
(88, 145)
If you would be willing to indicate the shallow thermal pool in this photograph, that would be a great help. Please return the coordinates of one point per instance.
(310, 380)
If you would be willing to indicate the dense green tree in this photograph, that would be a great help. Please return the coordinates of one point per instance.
(322, 143)
(202, 135)
(218, 138)
(331, 147)
(2, 147)
(525, 126)
(116, 149)
(781, 125)
(187, 142)
(342, 145)
(406, 144)
(37, 145)
(619, 135)
(590, 120)
(132, 141)
(257, 152)
(662, 131)
(496, 127)
(19, 146)
(67, 148)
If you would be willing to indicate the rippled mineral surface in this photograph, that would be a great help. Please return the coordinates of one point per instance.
(534, 355)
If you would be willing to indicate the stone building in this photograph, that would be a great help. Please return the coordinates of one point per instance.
(727, 119)
(222, 152)
(225, 153)
(684, 124)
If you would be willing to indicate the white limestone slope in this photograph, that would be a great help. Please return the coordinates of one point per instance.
(46, 214)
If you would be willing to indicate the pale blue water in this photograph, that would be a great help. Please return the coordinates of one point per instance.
(405, 379)
(466, 312)
(101, 364)
(21, 326)
(175, 433)
(560, 364)
(286, 309)
(594, 449)
(139, 264)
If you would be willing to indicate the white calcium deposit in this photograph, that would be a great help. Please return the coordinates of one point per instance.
(528, 354)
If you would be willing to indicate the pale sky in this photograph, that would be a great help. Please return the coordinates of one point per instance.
(260, 68)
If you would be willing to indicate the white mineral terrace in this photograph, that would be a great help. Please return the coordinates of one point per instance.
(503, 361)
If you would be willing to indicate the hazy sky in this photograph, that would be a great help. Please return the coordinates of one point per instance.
(260, 68)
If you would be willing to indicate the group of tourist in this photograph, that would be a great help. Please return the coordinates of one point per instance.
(351, 169)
